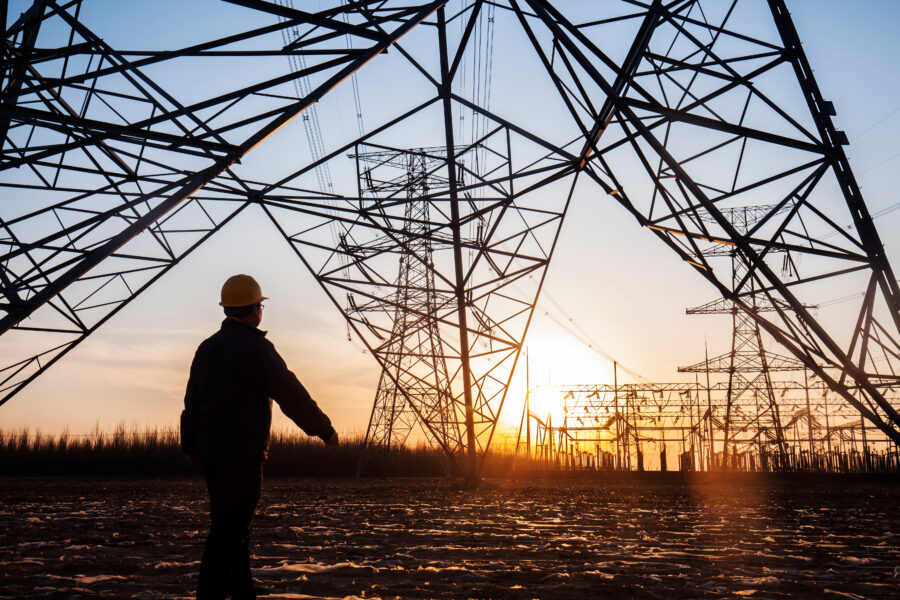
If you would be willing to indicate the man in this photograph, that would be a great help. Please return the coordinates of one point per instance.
(225, 428)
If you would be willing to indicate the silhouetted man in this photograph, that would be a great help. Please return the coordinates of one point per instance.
(225, 427)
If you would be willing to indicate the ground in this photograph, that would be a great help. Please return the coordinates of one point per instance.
(426, 538)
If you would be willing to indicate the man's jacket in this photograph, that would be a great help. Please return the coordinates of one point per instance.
(228, 403)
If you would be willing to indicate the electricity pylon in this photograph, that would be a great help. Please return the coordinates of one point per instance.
(120, 157)
(751, 407)
(414, 386)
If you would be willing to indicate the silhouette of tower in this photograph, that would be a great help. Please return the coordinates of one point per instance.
(414, 386)
(751, 407)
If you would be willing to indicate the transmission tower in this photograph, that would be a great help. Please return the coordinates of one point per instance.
(414, 386)
(751, 407)
(119, 157)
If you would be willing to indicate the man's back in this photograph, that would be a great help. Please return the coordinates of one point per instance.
(228, 410)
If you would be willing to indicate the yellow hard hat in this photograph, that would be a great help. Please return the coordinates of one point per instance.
(241, 290)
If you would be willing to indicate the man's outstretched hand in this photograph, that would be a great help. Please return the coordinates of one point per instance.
(334, 440)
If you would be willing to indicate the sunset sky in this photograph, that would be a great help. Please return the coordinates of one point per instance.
(618, 285)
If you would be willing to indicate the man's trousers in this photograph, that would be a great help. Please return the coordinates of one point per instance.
(234, 485)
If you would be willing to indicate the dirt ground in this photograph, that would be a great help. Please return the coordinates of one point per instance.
(425, 538)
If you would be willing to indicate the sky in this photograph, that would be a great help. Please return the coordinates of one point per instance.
(618, 285)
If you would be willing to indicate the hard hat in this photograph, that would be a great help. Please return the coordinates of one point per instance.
(241, 290)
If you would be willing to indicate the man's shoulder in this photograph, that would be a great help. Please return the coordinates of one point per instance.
(211, 340)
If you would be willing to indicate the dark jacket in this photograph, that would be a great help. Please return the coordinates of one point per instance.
(228, 407)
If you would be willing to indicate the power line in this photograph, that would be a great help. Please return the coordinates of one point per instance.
(310, 116)
(876, 123)
(355, 82)
(584, 336)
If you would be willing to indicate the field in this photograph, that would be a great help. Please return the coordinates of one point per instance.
(428, 538)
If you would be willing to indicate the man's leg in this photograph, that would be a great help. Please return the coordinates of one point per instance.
(234, 486)
(241, 582)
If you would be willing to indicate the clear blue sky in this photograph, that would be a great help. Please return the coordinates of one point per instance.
(135, 368)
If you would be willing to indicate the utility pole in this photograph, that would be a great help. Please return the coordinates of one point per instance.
(809, 420)
(617, 417)
(527, 407)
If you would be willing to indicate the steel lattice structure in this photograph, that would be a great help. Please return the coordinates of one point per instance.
(414, 389)
(676, 110)
(749, 365)
(122, 179)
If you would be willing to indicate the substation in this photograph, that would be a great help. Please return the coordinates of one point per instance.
(692, 427)
(430, 218)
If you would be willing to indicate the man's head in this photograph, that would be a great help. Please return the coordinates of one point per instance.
(242, 299)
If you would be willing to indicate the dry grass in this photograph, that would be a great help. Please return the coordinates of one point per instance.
(119, 452)
(156, 452)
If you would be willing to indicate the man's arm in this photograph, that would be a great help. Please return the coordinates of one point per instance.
(190, 431)
(292, 397)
